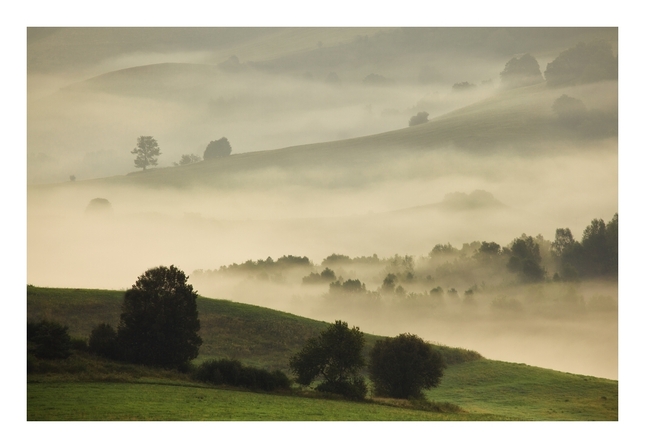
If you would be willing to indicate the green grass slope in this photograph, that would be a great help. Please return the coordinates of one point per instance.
(485, 389)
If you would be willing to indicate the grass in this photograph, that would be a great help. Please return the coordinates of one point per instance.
(135, 401)
(84, 387)
(524, 392)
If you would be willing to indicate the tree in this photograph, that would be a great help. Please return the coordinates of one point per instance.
(419, 118)
(49, 340)
(401, 367)
(336, 355)
(525, 259)
(104, 342)
(187, 159)
(217, 148)
(159, 320)
(147, 151)
(582, 64)
(521, 72)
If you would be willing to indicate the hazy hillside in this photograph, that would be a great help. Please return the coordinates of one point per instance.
(93, 91)
(330, 154)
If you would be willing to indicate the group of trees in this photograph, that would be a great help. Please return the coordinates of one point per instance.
(596, 255)
(159, 326)
(399, 367)
(147, 152)
(584, 63)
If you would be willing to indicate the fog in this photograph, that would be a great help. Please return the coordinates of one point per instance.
(386, 196)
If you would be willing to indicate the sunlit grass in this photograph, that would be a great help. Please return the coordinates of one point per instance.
(118, 401)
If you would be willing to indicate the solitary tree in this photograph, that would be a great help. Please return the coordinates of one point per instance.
(159, 319)
(49, 340)
(521, 72)
(218, 148)
(401, 367)
(336, 356)
(419, 118)
(147, 151)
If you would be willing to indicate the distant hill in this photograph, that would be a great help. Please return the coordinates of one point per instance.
(520, 117)
(458, 201)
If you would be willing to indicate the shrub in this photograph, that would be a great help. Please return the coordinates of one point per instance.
(49, 340)
(218, 148)
(401, 367)
(419, 118)
(232, 373)
(336, 356)
(103, 341)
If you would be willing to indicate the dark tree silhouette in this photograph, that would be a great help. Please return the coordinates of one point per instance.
(403, 366)
(49, 340)
(584, 63)
(103, 341)
(525, 259)
(420, 118)
(159, 319)
(521, 72)
(217, 148)
(147, 151)
(336, 356)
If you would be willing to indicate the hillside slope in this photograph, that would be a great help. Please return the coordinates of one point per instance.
(519, 119)
(486, 389)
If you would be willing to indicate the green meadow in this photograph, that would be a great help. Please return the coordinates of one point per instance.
(88, 388)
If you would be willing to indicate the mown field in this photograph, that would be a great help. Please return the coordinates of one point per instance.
(87, 388)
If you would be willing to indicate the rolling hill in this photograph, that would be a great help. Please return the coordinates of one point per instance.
(519, 120)
(484, 389)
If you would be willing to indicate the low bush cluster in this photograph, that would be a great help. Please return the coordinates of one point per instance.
(232, 373)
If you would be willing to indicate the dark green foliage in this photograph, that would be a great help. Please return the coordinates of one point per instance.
(103, 341)
(582, 64)
(521, 72)
(78, 344)
(326, 276)
(441, 250)
(336, 355)
(403, 366)
(389, 283)
(48, 340)
(217, 148)
(525, 259)
(232, 373)
(354, 389)
(420, 118)
(147, 151)
(334, 259)
(595, 256)
(347, 287)
(159, 320)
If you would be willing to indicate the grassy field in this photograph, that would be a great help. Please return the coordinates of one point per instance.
(131, 401)
(88, 388)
